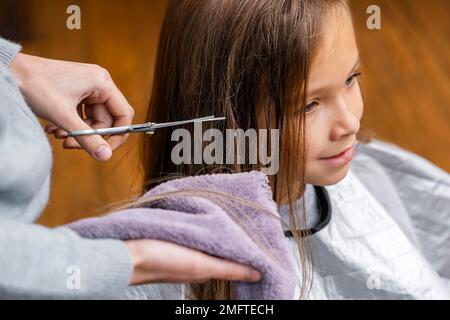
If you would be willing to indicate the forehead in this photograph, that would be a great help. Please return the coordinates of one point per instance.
(337, 51)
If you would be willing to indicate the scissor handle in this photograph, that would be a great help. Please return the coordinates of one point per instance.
(114, 130)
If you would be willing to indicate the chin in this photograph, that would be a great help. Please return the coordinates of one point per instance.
(326, 176)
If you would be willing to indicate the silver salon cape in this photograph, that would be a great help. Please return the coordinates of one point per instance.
(388, 236)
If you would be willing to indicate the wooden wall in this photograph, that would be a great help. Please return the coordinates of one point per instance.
(122, 37)
(406, 82)
(407, 74)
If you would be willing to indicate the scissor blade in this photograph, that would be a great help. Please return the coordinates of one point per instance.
(177, 123)
(144, 127)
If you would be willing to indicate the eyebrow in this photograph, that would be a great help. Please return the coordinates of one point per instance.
(315, 91)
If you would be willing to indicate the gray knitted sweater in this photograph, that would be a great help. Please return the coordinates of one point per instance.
(39, 262)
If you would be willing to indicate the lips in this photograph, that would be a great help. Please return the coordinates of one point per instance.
(341, 159)
(339, 154)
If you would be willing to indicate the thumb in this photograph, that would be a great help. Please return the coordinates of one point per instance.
(95, 145)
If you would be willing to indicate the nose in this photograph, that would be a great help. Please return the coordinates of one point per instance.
(346, 120)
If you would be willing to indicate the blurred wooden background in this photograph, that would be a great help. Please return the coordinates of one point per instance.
(406, 82)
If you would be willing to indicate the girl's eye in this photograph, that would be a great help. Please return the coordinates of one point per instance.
(310, 106)
(350, 81)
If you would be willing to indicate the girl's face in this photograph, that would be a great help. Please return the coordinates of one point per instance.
(334, 105)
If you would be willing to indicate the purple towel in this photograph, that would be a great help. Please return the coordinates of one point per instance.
(202, 223)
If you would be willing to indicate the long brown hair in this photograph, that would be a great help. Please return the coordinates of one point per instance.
(247, 60)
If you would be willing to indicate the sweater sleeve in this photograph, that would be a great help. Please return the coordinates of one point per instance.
(42, 263)
(38, 262)
(8, 51)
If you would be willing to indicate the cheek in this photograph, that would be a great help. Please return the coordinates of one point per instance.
(356, 101)
(317, 134)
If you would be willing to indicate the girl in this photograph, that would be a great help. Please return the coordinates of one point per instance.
(293, 65)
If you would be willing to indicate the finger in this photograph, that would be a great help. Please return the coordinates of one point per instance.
(95, 145)
(80, 110)
(60, 134)
(50, 128)
(217, 268)
(71, 143)
(88, 110)
(98, 117)
(122, 113)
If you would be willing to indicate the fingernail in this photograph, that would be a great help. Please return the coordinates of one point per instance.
(254, 275)
(103, 153)
(51, 129)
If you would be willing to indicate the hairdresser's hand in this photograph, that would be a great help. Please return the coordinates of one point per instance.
(57, 90)
(158, 261)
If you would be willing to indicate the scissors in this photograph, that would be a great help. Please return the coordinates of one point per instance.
(148, 127)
